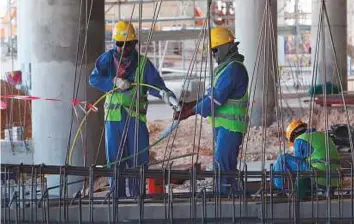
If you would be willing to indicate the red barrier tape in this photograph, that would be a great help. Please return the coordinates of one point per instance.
(74, 102)
(3, 105)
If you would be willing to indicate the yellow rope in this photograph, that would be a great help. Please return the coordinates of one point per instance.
(72, 148)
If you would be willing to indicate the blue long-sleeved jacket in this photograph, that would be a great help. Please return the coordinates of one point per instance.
(232, 83)
(302, 148)
(105, 70)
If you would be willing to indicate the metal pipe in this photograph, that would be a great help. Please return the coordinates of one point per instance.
(91, 184)
(84, 171)
(211, 77)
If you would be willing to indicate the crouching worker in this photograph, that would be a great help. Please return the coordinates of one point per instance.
(310, 155)
(119, 68)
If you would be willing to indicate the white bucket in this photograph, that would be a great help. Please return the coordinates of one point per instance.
(17, 133)
(8, 134)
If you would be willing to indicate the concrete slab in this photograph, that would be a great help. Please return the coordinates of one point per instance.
(253, 212)
(16, 152)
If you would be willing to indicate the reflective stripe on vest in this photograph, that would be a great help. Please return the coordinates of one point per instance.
(233, 115)
(317, 159)
(237, 103)
(115, 101)
(118, 106)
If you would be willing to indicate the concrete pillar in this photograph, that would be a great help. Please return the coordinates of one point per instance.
(248, 22)
(337, 13)
(54, 45)
(24, 40)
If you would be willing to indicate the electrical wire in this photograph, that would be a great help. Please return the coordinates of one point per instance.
(90, 110)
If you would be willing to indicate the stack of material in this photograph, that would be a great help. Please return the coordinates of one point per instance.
(17, 112)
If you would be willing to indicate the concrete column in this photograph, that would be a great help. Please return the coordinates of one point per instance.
(337, 13)
(248, 23)
(54, 45)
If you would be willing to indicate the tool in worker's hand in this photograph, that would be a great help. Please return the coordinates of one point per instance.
(184, 114)
(170, 99)
(188, 105)
(175, 105)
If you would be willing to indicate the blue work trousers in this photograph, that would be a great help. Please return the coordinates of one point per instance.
(288, 163)
(227, 146)
(114, 135)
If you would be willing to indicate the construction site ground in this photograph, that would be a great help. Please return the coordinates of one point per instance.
(188, 139)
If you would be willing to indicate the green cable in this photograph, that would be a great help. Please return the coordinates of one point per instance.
(147, 85)
(131, 156)
(147, 148)
(71, 151)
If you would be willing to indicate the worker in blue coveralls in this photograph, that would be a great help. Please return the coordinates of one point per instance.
(119, 68)
(310, 154)
(230, 86)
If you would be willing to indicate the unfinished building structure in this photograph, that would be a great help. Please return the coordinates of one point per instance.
(59, 174)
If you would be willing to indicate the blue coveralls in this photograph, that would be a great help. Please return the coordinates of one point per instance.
(101, 78)
(287, 162)
(232, 84)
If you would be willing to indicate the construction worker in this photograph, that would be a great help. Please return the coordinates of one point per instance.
(310, 154)
(230, 102)
(120, 106)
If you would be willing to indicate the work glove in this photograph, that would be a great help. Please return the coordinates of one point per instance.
(169, 98)
(165, 96)
(188, 105)
(184, 114)
(120, 83)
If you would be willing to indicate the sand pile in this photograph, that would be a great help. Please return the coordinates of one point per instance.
(253, 142)
(183, 142)
(335, 116)
(17, 113)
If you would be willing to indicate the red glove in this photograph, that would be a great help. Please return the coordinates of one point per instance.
(188, 105)
(184, 114)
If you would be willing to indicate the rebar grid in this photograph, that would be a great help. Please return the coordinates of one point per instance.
(254, 202)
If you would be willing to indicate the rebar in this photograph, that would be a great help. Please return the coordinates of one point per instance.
(87, 209)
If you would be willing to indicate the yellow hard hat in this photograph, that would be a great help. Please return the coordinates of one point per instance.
(292, 127)
(221, 36)
(123, 31)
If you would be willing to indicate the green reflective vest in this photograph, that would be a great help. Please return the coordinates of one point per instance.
(232, 115)
(318, 158)
(127, 99)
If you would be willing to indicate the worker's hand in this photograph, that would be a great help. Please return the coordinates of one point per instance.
(169, 98)
(120, 83)
(184, 114)
(165, 96)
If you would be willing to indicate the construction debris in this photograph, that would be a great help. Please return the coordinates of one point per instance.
(275, 141)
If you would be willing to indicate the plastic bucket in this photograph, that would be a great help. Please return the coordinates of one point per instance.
(155, 186)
